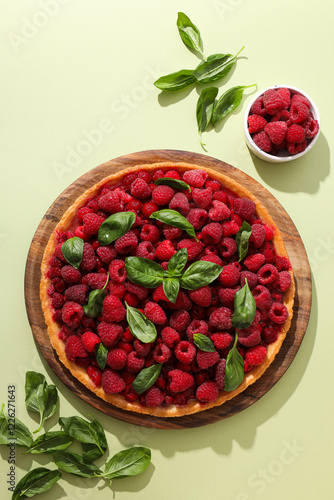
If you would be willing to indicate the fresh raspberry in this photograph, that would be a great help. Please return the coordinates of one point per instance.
(296, 147)
(116, 289)
(70, 275)
(94, 374)
(220, 373)
(207, 359)
(298, 112)
(272, 101)
(106, 254)
(207, 392)
(295, 133)
(282, 263)
(57, 300)
(219, 211)
(91, 224)
(162, 195)
(112, 382)
(140, 189)
(244, 207)
(212, 233)
(146, 250)
(262, 297)
(72, 314)
(300, 98)
(134, 205)
(258, 235)
(254, 262)
(262, 140)
(226, 296)
(311, 129)
(161, 353)
(251, 279)
(89, 340)
(283, 116)
(88, 262)
(251, 336)
(131, 299)
(170, 337)
(202, 296)
(230, 228)
(83, 211)
(111, 203)
(172, 174)
(149, 208)
(257, 107)
(96, 281)
(278, 313)
(113, 309)
(256, 355)
(221, 318)
(138, 290)
(197, 326)
(228, 247)
(159, 294)
(256, 123)
(180, 380)
(197, 217)
(212, 258)
(128, 180)
(267, 274)
(171, 233)
(158, 174)
(127, 243)
(117, 271)
(134, 362)
(193, 247)
(276, 131)
(116, 359)
(221, 196)
(179, 320)
(144, 175)
(154, 397)
(185, 352)
(269, 335)
(165, 250)
(141, 348)
(284, 280)
(202, 198)
(221, 340)
(213, 185)
(109, 333)
(74, 348)
(285, 95)
(155, 313)
(195, 178)
(150, 233)
(229, 277)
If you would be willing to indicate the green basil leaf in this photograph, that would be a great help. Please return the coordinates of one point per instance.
(177, 263)
(94, 306)
(203, 342)
(126, 463)
(176, 81)
(93, 451)
(242, 239)
(204, 109)
(36, 481)
(90, 433)
(101, 353)
(75, 464)
(214, 68)
(12, 430)
(140, 327)
(40, 397)
(174, 183)
(200, 273)
(244, 308)
(51, 401)
(72, 250)
(144, 272)
(228, 102)
(146, 378)
(234, 369)
(171, 288)
(189, 33)
(115, 226)
(175, 219)
(50, 442)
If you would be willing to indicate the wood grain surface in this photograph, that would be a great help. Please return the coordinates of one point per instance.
(294, 246)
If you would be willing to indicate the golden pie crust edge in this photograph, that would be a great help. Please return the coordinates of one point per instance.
(80, 373)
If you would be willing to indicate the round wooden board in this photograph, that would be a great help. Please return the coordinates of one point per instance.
(293, 245)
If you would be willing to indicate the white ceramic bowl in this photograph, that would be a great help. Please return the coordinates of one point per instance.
(283, 155)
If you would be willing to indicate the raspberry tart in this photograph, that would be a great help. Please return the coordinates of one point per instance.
(167, 289)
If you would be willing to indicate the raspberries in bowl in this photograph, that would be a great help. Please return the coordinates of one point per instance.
(281, 123)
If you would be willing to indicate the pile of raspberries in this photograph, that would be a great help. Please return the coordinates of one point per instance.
(187, 372)
(280, 122)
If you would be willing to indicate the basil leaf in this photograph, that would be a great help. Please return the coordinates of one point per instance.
(175, 219)
(146, 378)
(175, 81)
(115, 226)
(126, 463)
(13, 431)
(189, 33)
(51, 401)
(174, 183)
(93, 451)
(200, 273)
(171, 288)
(40, 397)
(177, 263)
(36, 481)
(204, 109)
(234, 369)
(140, 327)
(72, 250)
(144, 272)
(101, 353)
(94, 306)
(228, 102)
(242, 239)
(75, 464)
(214, 68)
(203, 342)
(87, 433)
(50, 442)
(244, 308)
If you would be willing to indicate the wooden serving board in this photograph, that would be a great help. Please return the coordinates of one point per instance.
(293, 245)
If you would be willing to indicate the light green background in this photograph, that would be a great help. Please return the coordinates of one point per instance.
(70, 67)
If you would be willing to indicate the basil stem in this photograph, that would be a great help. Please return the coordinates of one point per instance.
(174, 183)
(50, 442)
(176, 81)
(234, 369)
(199, 274)
(214, 68)
(189, 33)
(244, 308)
(75, 464)
(146, 378)
(96, 297)
(40, 397)
(228, 102)
(20, 434)
(242, 239)
(175, 219)
(36, 481)
(203, 342)
(72, 250)
(101, 353)
(140, 327)
(128, 462)
(115, 226)
(204, 109)
(144, 272)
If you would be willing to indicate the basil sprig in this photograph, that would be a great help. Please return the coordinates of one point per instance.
(204, 109)
(40, 397)
(73, 463)
(72, 250)
(140, 327)
(176, 81)
(175, 219)
(228, 102)
(146, 378)
(234, 369)
(36, 481)
(189, 33)
(115, 226)
(20, 434)
(174, 183)
(203, 342)
(244, 308)
(199, 274)
(101, 353)
(144, 272)
(50, 442)
(242, 239)
(96, 297)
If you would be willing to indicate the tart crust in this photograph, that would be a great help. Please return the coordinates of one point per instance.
(80, 373)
